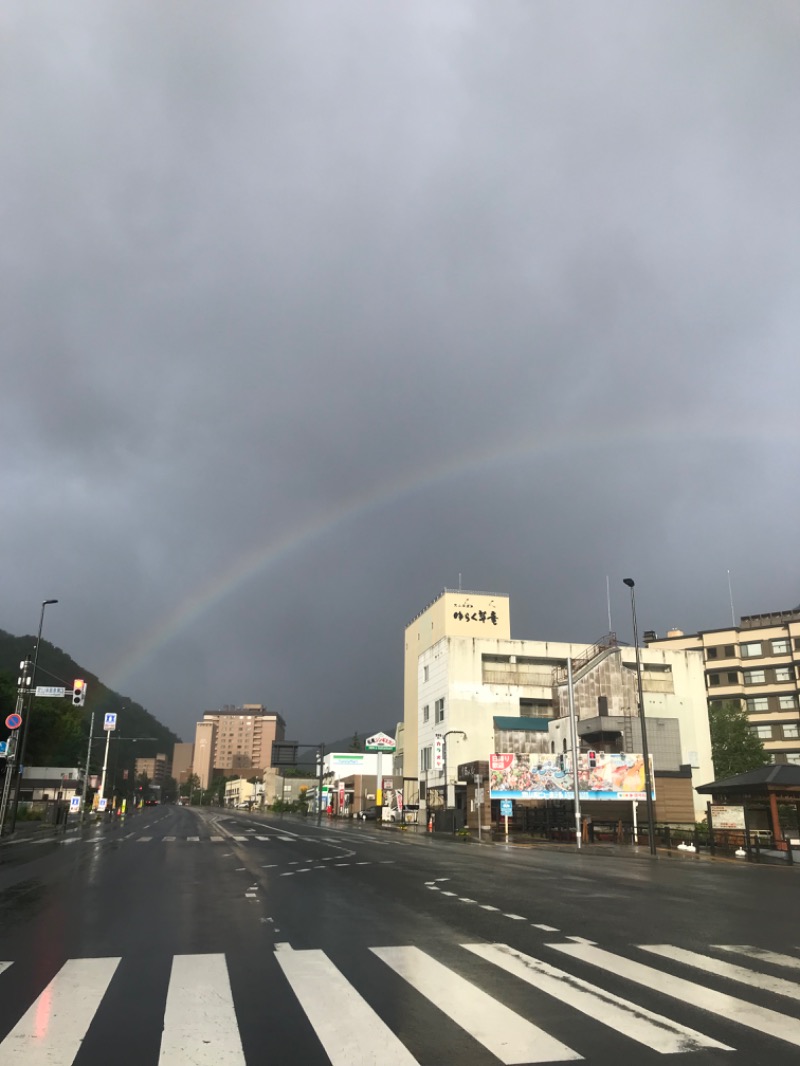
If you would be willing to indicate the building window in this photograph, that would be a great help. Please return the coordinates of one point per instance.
(711, 653)
(425, 761)
(426, 713)
(424, 673)
(729, 652)
(439, 710)
(763, 732)
(751, 650)
(790, 731)
(793, 758)
(733, 677)
(757, 705)
(783, 673)
(754, 677)
(780, 647)
(713, 679)
(787, 703)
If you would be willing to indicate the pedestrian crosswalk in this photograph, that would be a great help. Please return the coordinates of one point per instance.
(199, 1021)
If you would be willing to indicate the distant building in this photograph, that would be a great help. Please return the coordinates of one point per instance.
(236, 741)
(157, 769)
(756, 664)
(50, 783)
(182, 762)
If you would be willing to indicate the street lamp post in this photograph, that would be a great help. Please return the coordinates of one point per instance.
(23, 741)
(648, 784)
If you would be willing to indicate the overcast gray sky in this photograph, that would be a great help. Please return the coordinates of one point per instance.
(307, 308)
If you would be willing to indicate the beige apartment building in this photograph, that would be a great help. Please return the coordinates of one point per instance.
(182, 762)
(757, 664)
(236, 741)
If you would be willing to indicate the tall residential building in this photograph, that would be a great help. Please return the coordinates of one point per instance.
(236, 741)
(757, 664)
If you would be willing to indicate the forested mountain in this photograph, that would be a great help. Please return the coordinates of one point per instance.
(59, 732)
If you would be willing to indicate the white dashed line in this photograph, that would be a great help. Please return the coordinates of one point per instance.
(546, 928)
(515, 917)
(488, 907)
(463, 899)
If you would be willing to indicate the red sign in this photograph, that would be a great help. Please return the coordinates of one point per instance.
(500, 762)
(14, 721)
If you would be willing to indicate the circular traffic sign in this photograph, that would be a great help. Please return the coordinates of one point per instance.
(14, 721)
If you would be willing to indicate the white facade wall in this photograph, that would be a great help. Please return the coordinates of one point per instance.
(455, 673)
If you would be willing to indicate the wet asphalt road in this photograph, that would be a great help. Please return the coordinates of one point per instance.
(211, 938)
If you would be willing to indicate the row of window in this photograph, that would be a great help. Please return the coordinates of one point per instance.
(760, 704)
(438, 711)
(775, 674)
(752, 649)
(788, 731)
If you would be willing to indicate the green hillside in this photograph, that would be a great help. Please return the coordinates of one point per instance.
(59, 732)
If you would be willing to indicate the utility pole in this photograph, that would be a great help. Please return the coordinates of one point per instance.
(86, 771)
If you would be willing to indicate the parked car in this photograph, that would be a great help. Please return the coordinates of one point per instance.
(369, 814)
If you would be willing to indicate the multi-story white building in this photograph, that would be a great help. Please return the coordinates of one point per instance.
(756, 664)
(463, 671)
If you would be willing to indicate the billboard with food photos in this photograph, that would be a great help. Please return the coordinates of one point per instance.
(603, 776)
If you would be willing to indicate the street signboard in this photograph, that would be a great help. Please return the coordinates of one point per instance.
(14, 721)
(380, 742)
(110, 720)
(506, 808)
(3, 749)
(50, 690)
(101, 804)
(75, 803)
(723, 817)
(613, 776)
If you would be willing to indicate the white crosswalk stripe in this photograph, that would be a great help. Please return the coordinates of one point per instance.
(772, 957)
(761, 1019)
(68, 1004)
(509, 1037)
(337, 1012)
(654, 1030)
(199, 1023)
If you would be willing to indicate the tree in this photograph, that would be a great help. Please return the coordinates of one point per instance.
(735, 748)
(355, 743)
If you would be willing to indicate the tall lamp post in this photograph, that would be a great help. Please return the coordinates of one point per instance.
(648, 784)
(23, 742)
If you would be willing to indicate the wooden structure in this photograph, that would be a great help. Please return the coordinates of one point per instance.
(762, 791)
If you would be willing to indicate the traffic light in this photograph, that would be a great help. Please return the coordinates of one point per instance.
(78, 693)
(592, 760)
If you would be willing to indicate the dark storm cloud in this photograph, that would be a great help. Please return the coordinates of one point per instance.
(378, 295)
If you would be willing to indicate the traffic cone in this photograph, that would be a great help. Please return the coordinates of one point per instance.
(430, 824)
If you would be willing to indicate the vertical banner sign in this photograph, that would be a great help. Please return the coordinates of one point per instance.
(438, 752)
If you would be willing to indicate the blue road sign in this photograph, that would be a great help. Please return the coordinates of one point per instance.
(506, 808)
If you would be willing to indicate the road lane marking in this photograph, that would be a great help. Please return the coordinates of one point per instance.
(779, 985)
(216, 840)
(546, 928)
(509, 1037)
(762, 1019)
(346, 1026)
(240, 839)
(465, 899)
(653, 1030)
(773, 957)
(169, 839)
(51, 1031)
(261, 838)
(193, 839)
(515, 917)
(199, 1021)
(144, 840)
(484, 906)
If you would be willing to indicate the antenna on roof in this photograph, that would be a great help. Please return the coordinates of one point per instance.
(459, 581)
(730, 596)
(608, 604)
